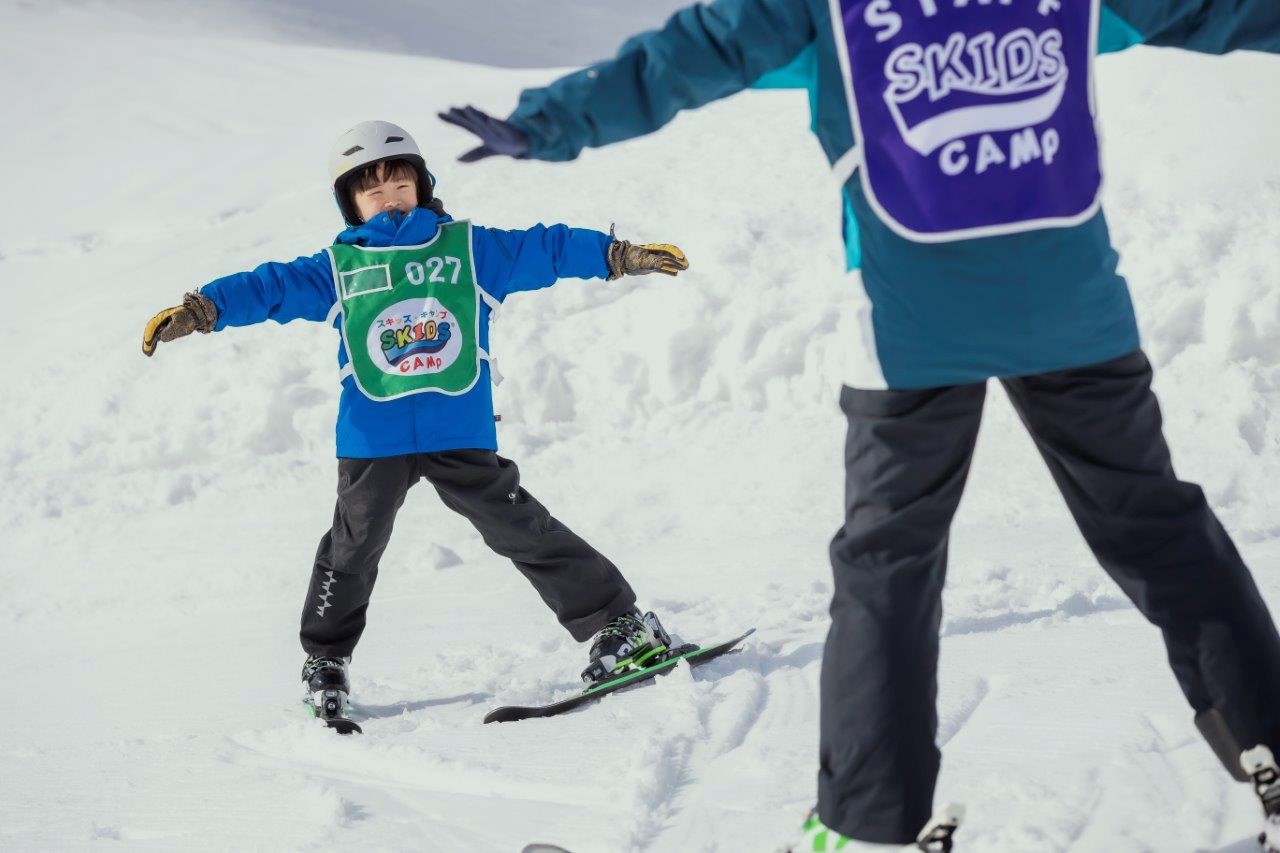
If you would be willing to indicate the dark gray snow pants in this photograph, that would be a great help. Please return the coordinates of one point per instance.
(578, 583)
(907, 455)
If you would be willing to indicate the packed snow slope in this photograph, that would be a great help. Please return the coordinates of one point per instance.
(506, 33)
(158, 517)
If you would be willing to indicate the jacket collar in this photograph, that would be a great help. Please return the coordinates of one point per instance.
(394, 229)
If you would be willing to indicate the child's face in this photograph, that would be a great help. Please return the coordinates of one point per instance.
(399, 194)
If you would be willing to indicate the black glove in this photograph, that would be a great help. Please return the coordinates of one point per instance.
(498, 136)
(197, 313)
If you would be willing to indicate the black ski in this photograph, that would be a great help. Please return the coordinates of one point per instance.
(344, 726)
(693, 654)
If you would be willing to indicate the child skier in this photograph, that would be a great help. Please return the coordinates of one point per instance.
(411, 292)
(963, 135)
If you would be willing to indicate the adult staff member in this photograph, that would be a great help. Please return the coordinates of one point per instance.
(964, 135)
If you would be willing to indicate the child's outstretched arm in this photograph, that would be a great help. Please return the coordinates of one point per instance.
(298, 290)
(510, 261)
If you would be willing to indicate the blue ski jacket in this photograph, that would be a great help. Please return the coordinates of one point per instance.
(955, 304)
(505, 262)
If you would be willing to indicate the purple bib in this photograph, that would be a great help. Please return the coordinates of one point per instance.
(974, 117)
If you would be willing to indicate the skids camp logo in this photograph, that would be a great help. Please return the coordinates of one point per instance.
(403, 340)
(974, 84)
(945, 83)
(975, 116)
(414, 337)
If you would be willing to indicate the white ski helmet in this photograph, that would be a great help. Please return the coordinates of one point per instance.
(372, 142)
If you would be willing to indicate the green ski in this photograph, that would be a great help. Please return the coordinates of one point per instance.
(693, 654)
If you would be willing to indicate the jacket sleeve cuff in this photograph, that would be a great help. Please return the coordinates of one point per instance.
(211, 293)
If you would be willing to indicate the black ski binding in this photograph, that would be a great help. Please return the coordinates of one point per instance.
(330, 707)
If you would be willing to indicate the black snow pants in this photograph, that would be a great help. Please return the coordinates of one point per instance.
(907, 455)
(579, 584)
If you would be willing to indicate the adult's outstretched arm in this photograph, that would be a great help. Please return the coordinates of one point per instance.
(1207, 26)
(703, 53)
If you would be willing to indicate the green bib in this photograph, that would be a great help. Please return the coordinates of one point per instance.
(411, 315)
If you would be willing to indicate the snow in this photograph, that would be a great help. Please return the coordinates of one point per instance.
(158, 518)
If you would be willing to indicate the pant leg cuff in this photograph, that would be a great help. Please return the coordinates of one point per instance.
(585, 627)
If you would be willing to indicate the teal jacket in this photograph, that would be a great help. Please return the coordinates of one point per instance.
(943, 313)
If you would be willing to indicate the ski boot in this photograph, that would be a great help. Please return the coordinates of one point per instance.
(934, 838)
(1260, 765)
(327, 687)
(629, 641)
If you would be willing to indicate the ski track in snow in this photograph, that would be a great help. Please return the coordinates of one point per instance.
(158, 517)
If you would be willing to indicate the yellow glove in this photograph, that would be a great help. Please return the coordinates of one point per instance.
(197, 313)
(627, 259)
